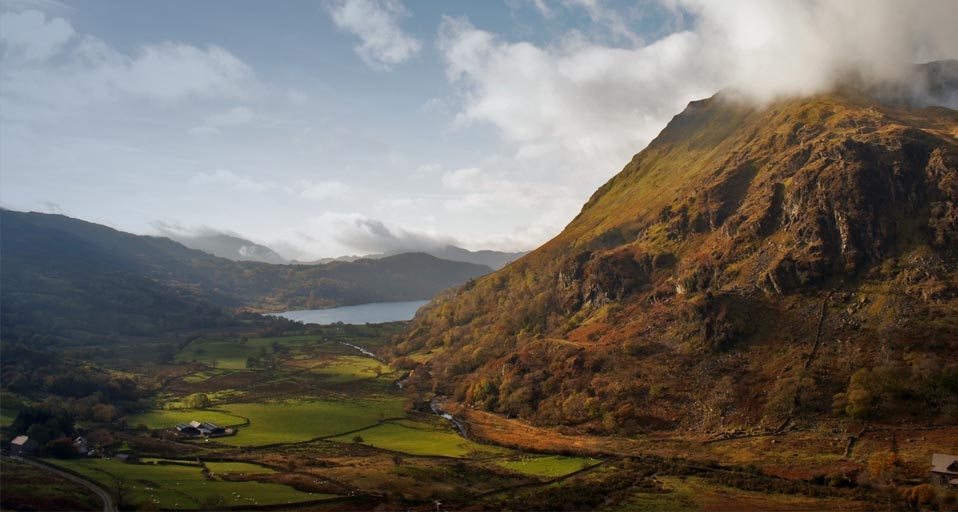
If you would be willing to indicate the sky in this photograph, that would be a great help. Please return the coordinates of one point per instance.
(333, 127)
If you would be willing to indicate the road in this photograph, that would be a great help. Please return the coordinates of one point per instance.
(107, 499)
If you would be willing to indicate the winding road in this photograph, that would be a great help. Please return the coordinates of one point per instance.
(107, 499)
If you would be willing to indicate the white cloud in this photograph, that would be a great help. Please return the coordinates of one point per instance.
(588, 106)
(232, 117)
(613, 20)
(580, 98)
(376, 22)
(369, 236)
(462, 179)
(47, 62)
(770, 48)
(229, 178)
(323, 190)
(214, 123)
(29, 36)
(204, 131)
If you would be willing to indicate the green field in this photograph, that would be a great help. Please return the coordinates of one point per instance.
(549, 466)
(282, 422)
(298, 421)
(232, 354)
(350, 368)
(416, 438)
(181, 487)
(7, 416)
(218, 468)
(166, 419)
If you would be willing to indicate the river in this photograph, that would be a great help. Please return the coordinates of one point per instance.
(375, 313)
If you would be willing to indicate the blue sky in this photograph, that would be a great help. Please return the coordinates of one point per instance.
(335, 127)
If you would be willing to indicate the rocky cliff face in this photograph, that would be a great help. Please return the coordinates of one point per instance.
(738, 271)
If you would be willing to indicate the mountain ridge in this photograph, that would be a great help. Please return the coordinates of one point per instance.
(692, 286)
(492, 259)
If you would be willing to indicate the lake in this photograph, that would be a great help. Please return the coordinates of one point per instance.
(375, 313)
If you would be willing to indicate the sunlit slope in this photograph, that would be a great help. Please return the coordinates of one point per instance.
(737, 271)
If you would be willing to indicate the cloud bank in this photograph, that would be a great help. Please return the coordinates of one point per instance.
(371, 236)
(585, 98)
(772, 48)
(47, 61)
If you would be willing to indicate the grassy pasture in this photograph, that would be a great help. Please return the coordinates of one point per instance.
(350, 368)
(232, 354)
(166, 419)
(238, 468)
(548, 466)
(416, 438)
(7, 416)
(298, 421)
(181, 487)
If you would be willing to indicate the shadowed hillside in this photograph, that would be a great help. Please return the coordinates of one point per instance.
(750, 268)
(70, 279)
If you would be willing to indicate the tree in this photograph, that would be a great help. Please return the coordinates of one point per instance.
(103, 413)
(198, 401)
(61, 448)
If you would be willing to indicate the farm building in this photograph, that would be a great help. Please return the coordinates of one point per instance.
(187, 430)
(208, 429)
(83, 448)
(128, 458)
(944, 470)
(22, 445)
(204, 429)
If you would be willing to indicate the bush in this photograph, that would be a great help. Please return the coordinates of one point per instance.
(920, 495)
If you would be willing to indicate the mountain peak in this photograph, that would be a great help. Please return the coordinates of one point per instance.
(707, 267)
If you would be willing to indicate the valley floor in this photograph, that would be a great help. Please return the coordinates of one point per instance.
(322, 425)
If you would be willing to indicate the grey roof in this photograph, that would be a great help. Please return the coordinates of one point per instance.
(941, 463)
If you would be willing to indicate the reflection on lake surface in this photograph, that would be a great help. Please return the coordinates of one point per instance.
(375, 313)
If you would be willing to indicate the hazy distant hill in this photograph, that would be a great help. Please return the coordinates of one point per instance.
(492, 259)
(61, 274)
(737, 273)
(229, 247)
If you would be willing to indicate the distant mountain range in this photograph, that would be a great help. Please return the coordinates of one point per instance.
(229, 247)
(65, 278)
(234, 248)
(492, 259)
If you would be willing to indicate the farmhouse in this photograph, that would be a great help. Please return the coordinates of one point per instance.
(204, 429)
(944, 470)
(22, 445)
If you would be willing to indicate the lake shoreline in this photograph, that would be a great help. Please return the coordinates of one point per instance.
(372, 313)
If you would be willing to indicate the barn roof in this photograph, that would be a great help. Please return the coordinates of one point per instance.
(942, 463)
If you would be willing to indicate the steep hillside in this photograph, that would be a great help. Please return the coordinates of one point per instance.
(750, 268)
(66, 278)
